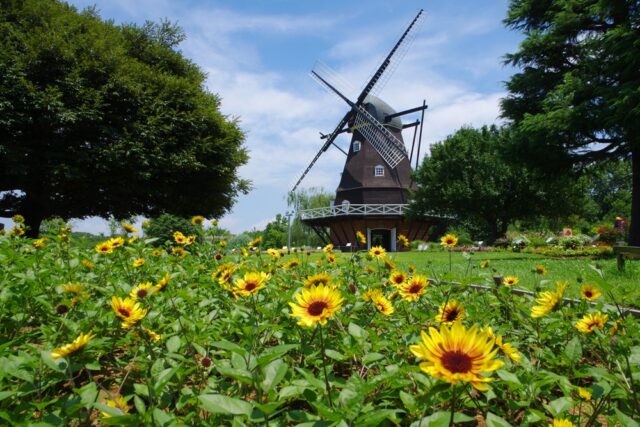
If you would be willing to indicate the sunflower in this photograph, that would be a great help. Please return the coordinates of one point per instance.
(152, 334)
(224, 273)
(548, 300)
(591, 321)
(179, 238)
(162, 283)
(370, 294)
(16, 231)
(244, 252)
(485, 264)
(129, 228)
(128, 310)
(116, 242)
(388, 264)
(178, 251)
(331, 258)
(104, 248)
(318, 279)
(449, 241)
(508, 349)
(377, 252)
(291, 264)
(328, 249)
(402, 239)
(362, 239)
(457, 355)
(590, 292)
(138, 262)
(540, 269)
(450, 312)
(251, 283)
(197, 220)
(255, 242)
(142, 291)
(76, 345)
(316, 305)
(88, 264)
(561, 422)
(510, 280)
(18, 219)
(383, 305)
(584, 393)
(413, 289)
(39, 244)
(274, 253)
(397, 278)
(119, 403)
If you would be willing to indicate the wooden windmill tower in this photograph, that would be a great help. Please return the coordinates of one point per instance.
(374, 187)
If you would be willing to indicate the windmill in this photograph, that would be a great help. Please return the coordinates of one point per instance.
(375, 182)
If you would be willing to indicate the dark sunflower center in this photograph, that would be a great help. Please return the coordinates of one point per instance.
(452, 315)
(125, 312)
(456, 361)
(415, 288)
(249, 286)
(588, 294)
(398, 279)
(142, 293)
(316, 308)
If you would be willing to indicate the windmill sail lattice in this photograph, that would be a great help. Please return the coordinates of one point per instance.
(390, 149)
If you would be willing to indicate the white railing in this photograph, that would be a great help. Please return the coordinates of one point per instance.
(350, 209)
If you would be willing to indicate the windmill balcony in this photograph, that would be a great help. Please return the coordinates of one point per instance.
(348, 209)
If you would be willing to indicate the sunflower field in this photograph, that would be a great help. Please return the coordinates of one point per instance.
(185, 332)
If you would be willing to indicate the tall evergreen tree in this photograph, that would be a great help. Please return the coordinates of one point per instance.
(576, 99)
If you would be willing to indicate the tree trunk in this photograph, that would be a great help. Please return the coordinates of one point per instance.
(33, 211)
(634, 229)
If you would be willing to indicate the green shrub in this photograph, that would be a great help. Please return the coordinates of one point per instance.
(165, 225)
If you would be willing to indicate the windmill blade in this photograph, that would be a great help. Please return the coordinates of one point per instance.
(393, 58)
(388, 146)
(334, 78)
(324, 148)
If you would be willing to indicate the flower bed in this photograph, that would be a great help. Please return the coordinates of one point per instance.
(197, 335)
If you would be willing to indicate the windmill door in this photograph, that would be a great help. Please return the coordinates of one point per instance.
(382, 237)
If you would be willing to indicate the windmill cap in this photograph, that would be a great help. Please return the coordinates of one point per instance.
(380, 110)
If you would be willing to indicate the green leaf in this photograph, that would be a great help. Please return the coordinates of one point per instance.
(173, 344)
(335, 355)
(625, 420)
(493, 420)
(241, 375)
(88, 394)
(228, 345)
(139, 404)
(221, 404)
(164, 377)
(441, 419)
(509, 378)
(357, 332)
(372, 357)
(160, 417)
(559, 406)
(141, 389)
(273, 353)
(274, 372)
(573, 350)
(408, 400)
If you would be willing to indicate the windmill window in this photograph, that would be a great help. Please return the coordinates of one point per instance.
(356, 146)
(379, 170)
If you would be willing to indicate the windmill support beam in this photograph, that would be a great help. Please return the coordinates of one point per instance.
(388, 118)
(411, 125)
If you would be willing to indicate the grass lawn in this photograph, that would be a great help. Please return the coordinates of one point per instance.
(624, 285)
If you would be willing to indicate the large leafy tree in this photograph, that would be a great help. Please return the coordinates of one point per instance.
(576, 99)
(311, 198)
(467, 176)
(99, 119)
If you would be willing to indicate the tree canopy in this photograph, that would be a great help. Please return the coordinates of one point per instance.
(468, 177)
(577, 97)
(100, 119)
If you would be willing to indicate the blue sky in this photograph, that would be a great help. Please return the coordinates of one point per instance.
(257, 55)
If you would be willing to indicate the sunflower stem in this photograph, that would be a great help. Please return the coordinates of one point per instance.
(454, 400)
(324, 368)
